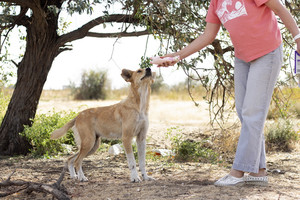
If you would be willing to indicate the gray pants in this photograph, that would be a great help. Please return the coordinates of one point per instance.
(254, 85)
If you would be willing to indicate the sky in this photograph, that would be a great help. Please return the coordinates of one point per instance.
(108, 54)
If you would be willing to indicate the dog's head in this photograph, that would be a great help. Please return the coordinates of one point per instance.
(139, 77)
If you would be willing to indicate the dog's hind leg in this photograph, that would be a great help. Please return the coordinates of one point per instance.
(95, 147)
(70, 164)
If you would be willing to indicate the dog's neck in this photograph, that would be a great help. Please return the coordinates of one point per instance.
(141, 97)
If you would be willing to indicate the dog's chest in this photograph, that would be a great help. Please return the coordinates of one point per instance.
(142, 118)
(141, 123)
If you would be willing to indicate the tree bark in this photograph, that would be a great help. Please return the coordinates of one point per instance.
(32, 73)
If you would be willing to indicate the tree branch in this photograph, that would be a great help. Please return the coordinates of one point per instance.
(57, 190)
(83, 31)
(20, 19)
(120, 34)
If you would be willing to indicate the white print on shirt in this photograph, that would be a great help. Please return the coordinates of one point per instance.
(226, 13)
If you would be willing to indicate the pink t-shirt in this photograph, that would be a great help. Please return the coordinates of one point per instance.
(252, 26)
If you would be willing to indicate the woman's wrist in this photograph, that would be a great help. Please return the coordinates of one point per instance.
(178, 53)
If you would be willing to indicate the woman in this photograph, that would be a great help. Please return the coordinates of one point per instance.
(256, 37)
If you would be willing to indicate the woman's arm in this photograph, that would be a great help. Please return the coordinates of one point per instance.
(202, 41)
(286, 18)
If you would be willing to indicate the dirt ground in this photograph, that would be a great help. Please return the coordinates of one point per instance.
(109, 175)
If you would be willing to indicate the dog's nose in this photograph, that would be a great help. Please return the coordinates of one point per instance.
(148, 69)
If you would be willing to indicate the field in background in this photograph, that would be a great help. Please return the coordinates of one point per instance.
(178, 92)
(171, 108)
(173, 118)
(292, 97)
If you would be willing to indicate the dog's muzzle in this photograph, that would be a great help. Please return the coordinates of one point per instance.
(148, 73)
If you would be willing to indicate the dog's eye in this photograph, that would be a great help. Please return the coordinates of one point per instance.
(139, 71)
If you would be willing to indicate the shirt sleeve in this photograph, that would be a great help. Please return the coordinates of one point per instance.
(211, 16)
(260, 2)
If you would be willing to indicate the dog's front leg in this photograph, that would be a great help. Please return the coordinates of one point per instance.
(131, 160)
(141, 144)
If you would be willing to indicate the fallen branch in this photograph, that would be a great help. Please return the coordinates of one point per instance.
(56, 189)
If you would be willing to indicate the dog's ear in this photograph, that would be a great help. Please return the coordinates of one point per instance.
(126, 74)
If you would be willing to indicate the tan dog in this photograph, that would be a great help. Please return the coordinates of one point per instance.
(125, 120)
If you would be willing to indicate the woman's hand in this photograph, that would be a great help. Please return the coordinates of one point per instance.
(166, 61)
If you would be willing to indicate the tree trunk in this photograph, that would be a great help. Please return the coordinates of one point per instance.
(32, 74)
(43, 45)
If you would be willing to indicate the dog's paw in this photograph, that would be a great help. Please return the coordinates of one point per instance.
(135, 179)
(147, 178)
(72, 176)
(82, 179)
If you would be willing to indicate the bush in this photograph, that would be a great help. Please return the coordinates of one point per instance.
(281, 136)
(93, 86)
(191, 150)
(39, 133)
(226, 141)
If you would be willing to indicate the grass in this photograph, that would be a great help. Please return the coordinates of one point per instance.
(4, 100)
(285, 103)
(65, 95)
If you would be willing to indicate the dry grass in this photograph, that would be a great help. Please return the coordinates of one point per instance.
(164, 94)
(286, 103)
(297, 109)
(64, 95)
(226, 142)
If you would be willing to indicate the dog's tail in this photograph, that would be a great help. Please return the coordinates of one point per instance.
(63, 130)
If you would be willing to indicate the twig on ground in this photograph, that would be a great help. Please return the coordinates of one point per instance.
(56, 189)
